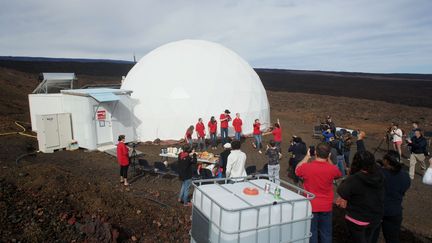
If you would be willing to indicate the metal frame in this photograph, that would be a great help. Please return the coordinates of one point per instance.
(308, 196)
(50, 80)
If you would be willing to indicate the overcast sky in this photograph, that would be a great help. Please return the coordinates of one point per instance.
(340, 35)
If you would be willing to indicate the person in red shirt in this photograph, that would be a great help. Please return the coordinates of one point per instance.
(318, 177)
(212, 126)
(224, 118)
(200, 130)
(188, 136)
(237, 124)
(257, 135)
(277, 134)
(123, 159)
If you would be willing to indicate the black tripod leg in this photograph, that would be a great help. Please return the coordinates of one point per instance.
(379, 146)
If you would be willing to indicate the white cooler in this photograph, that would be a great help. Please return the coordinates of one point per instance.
(223, 213)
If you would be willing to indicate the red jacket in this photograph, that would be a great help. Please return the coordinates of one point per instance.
(318, 179)
(277, 134)
(122, 154)
(200, 129)
(237, 124)
(256, 128)
(212, 127)
(224, 124)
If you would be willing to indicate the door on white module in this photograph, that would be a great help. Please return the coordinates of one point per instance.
(103, 124)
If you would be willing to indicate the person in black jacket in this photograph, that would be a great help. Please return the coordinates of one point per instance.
(298, 150)
(396, 183)
(223, 159)
(360, 141)
(185, 161)
(362, 194)
(418, 145)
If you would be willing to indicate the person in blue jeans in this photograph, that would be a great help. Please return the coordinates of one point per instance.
(212, 126)
(257, 135)
(347, 142)
(185, 161)
(224, 118)
(321, 227)
(318, 176)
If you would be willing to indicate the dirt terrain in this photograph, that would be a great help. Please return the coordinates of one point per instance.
(75, 196)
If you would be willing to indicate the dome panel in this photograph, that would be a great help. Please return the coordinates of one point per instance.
(179, 82)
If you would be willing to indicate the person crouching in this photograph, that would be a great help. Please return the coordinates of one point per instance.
(123, 159)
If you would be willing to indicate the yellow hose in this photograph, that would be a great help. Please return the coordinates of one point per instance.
(19, 133)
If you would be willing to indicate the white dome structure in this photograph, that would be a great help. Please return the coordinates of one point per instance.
(179, 82)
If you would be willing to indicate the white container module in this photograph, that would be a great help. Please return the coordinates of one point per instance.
(55, 131)
(224, 213)
(97, 115)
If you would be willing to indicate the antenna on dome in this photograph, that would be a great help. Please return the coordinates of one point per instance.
(134, 58)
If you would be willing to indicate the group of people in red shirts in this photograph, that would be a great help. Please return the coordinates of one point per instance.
(237, 124)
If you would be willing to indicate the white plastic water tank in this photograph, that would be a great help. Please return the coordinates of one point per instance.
(223, 213)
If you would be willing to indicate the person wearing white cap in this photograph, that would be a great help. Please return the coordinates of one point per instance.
(223, 159)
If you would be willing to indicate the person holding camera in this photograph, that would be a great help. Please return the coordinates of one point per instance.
(397, 134)
(318, 177)
(185, 161)
(331, 125)
(418, 146)
(298, 151)
(328, 135)
(123, 159)
(346, 147)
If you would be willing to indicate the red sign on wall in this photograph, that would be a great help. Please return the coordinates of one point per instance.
(101, 115)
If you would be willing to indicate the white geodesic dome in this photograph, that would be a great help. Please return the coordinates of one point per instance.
(179, 82)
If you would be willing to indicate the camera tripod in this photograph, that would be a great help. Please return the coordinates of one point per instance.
(385, 138)
(134, 159)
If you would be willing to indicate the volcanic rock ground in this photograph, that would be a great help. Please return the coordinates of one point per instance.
(75, 196)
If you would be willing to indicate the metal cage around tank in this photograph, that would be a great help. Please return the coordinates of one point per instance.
(207, 226)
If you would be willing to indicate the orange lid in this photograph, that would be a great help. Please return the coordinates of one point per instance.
(251, 191)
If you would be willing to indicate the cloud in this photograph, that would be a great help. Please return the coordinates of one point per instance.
(356, 35)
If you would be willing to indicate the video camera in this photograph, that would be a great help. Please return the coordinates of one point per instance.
(133, 144)
(324, 126)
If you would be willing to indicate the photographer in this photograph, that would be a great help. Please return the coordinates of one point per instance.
(123, 159)
(298, 150)
(331, 124)
(337, 156)
(397, 134)
(347, 142)
(328, 135)
(318, 176)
